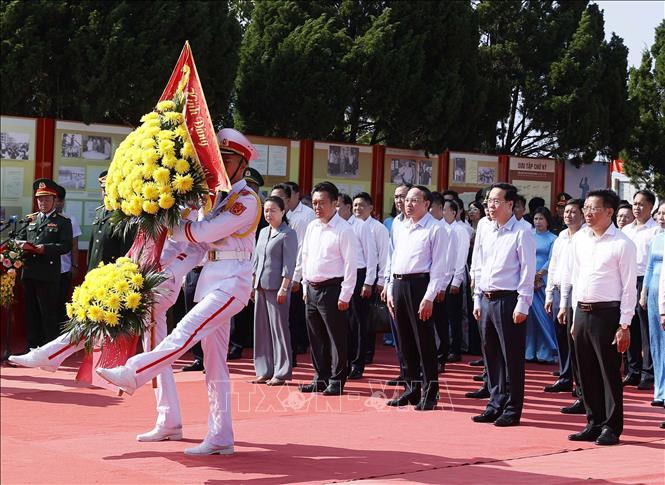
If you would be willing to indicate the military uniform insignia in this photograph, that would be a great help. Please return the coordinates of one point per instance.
(51, 224)
(237, 209)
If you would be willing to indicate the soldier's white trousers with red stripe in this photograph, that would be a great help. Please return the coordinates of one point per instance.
(209, 322)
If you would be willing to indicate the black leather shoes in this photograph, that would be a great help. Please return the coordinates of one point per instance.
(556, 373)
(657, 403)
(313, 387)
(405, 399)
(355, 374)
(645, 385)
(489, 416)
(479, 378)
(504, 421)
(587, 434)
(425, 405)
(454, 358)
(197, 365)
(559, 386)
(477, 363)
(481, 393)
(234, 354)
(631, 380)
(397, 381)
(333, 389)
(576, 408)
(607, 438)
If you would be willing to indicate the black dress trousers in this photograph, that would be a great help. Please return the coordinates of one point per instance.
(504, 342)
(328, 329)
(416, 338)
(599, 365)
(358, 324)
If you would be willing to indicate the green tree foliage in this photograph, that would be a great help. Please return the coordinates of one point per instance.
(400, 72)
(558, 89)
(644, 156)
(102, 61)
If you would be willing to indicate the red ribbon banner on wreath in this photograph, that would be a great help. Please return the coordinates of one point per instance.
(197, 120)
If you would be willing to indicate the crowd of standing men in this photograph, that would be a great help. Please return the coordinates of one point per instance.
(492, 280)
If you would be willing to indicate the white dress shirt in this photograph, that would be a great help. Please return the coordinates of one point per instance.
(463, 243)
(382, 242)
(508, 257)
(367, 256)
(476, 263)
(601, 269)
(558, 260)
(299, 218)
(641, 236)
(395, 228)
(421, 248)
(66, 259)
(327, 252)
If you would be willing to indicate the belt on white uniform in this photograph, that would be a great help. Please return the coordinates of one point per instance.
(238, 255)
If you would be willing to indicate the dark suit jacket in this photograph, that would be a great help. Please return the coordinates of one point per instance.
(55, 233)
(275, 257)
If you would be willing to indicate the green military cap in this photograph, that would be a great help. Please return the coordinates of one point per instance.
(253, 175)
(45, 186)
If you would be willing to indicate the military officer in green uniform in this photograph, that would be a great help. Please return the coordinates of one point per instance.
(105, 245)
(46, 236)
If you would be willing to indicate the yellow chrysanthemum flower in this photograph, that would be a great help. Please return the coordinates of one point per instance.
(122, 286)
(187, 150)
(137, 184)
(182, 166)
(181, 132)
(166, 146)
(165, 106)
(169, 160)
(152, 115)
(81, 314)
(162, 176)
(70, 310)
(95, 313)
(166, 201)
(132, 300)
(112, 302)
(150, 207)
(148, 143)
(111, 318)
(173, 117)
(150, 191)
(183, 183)
(149, 155)
(137, 281)
(165, 135)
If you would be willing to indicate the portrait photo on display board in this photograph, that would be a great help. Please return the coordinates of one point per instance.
(71, 145)
(343, 161)
(486, 175)
(14, 146)
(72, 178)
(96, 147)
(459, 172)
(403, 171)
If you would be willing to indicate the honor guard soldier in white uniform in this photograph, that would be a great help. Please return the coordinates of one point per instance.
(223, 290)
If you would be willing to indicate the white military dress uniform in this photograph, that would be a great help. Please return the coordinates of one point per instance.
(223, 289)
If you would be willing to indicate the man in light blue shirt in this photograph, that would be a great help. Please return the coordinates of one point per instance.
(502, 297)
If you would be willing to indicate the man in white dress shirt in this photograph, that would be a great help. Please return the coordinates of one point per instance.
(366, 276)
(419, 270)
(502, 297)
(599, 281)
(639, 371)
(363, 206)
(299, 218)
(568, 372)
(329, 278)
(397, 223)
(69, 263)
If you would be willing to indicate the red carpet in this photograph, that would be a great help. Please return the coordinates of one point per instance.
(57, 431)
